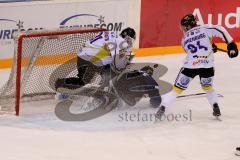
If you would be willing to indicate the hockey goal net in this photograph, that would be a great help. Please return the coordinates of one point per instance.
(40, 58)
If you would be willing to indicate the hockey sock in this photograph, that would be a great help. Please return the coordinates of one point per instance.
(212, 97)
(168, 98)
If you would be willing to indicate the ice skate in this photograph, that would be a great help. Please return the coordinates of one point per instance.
(216, 110)
(160, 112)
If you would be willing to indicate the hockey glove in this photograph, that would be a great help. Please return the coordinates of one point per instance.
(214, 48)
(148, 70)
(232, 50)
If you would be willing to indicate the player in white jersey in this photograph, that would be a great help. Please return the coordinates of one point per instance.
(107, 50)
(101, 50)
(111, 53)
(197, 43)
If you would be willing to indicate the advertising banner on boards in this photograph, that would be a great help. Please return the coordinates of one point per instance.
(160, 19)
(103, 14)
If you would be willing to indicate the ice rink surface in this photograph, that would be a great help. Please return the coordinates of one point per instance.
(40, 135)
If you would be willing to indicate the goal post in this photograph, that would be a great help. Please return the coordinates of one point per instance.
(40, 58)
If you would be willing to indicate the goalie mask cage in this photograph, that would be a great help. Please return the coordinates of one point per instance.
(40, 58)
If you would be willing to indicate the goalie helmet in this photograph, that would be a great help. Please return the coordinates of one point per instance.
(128, 32)
(188, 20)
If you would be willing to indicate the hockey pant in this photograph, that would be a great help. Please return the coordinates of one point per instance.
(183, 80)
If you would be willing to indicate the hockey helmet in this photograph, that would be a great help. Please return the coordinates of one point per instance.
(188, 20)
(128, 32)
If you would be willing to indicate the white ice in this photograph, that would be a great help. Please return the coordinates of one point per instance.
(39, 135)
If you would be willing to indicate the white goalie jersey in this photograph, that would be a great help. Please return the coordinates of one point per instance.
(107, 48)
(197, 43)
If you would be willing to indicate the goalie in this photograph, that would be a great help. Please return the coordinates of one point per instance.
(108, 54)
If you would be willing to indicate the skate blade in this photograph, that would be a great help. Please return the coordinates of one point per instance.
(218, 118)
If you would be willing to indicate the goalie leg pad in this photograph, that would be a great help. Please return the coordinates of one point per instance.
(70, 83)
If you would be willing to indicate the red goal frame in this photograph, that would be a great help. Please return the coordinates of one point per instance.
(40, 34)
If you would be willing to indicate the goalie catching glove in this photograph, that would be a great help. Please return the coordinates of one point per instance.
(232, 50)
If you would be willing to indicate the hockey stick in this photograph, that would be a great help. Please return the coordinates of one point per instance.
(223, 50)
(196, 94)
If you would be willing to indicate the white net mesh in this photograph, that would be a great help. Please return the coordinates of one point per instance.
(45, 57)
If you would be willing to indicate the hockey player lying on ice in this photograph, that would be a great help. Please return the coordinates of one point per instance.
(199, 61)
(109, 53)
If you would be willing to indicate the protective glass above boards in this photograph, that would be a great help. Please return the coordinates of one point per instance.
(9, 1)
